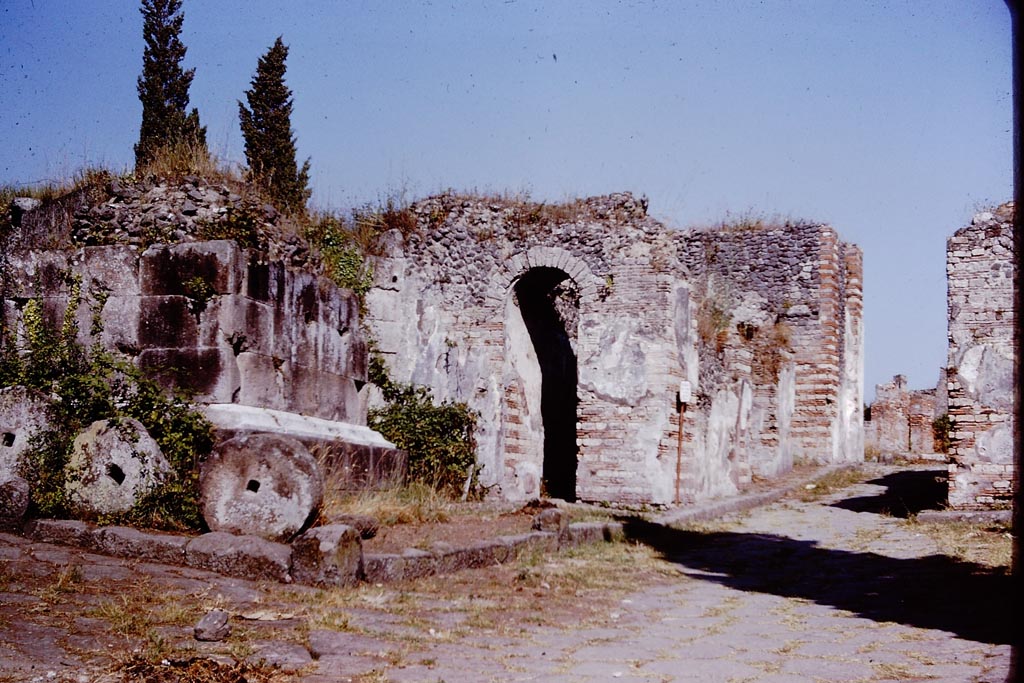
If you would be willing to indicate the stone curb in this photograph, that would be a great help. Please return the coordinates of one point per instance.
(251, 557)
(715, 509)
(255, 558)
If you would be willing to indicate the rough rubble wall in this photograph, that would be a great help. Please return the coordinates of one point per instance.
(794, 301)
(209, 318)
(736, 315)
(980, 373)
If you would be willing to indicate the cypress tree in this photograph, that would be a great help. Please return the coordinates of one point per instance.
(267, 130)
(163, 85)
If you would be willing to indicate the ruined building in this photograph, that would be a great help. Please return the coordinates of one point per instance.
(902, 420)
(570, 329)
(609, 358)
(261, 342)
(979, 271)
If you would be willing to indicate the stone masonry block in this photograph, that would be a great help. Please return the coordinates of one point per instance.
(261, 382)
(113, 269)
(120, 318)
(167, 322)
(239, 323)
(63, 531)
(209, 374)
(176, 269)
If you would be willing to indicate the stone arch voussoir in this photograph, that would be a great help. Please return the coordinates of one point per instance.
(588, 284)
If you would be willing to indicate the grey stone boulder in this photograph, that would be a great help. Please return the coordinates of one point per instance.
(213, 627)
(262, 485)
(247, 557)
(113, 464)
(328, 556)
(22, 414)
(14, 496)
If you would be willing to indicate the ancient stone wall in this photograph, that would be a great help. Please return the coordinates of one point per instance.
(980, 374)
(209, 318)
(569, 329)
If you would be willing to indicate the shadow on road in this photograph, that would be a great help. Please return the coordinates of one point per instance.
(907, 493)
(935, 592)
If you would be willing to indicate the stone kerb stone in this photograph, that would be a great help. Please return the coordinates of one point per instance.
(329, 555)
(22, 414)
(247, 557)
(263, 485)
(112, 465)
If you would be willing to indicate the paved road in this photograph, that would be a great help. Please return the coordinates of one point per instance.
(791, 592)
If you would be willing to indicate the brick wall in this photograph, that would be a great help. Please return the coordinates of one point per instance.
(980, 373)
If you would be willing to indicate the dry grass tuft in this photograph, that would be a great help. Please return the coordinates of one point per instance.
(829, 483)
(137, 669)
(412, 503)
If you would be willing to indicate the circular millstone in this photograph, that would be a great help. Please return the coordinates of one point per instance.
(261, 485)
(112, 465)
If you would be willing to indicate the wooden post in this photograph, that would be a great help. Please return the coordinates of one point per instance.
(685, 396)
(679, 449)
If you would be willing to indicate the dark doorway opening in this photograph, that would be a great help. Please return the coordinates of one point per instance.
(549, 304)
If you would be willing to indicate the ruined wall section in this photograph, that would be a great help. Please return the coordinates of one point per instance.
(444, 314)
(782, 314)
(901, 420)
(980, 374)
(223, 324)
(737, 314)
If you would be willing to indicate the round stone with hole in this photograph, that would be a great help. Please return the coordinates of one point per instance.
(113, 464)
(261, 485)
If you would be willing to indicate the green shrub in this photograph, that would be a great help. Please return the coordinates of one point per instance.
(942, 429)
(438, 439)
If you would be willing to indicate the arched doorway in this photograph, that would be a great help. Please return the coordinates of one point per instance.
(549, 303)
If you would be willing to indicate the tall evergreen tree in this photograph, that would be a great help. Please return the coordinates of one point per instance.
(267, 129)
(163, 85)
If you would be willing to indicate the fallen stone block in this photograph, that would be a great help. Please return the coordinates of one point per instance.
(327, 556)
(14, 498)
(112, 465)
(128, 542)
(248, 557)
(63, 531)
(262, 485)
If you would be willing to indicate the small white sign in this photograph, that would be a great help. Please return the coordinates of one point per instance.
(685, 392)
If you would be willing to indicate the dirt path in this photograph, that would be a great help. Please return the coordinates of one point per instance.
(833, 589)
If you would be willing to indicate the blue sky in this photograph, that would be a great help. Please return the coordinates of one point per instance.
(892, 121)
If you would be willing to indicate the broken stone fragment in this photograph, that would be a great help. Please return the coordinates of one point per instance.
(261, 485)
(14, 496)
(213, 627)
(112, 465)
